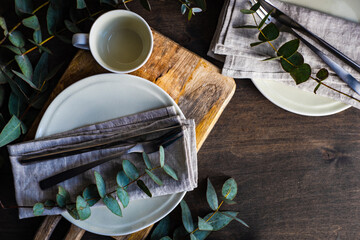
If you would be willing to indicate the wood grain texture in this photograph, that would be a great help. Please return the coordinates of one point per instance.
(75, 233)
(195, 84)
(47, 227)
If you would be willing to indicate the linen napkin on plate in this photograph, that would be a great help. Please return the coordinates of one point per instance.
(243, 61)
(181, 156)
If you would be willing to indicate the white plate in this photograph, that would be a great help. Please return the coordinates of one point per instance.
(296, 100)
(99, 98)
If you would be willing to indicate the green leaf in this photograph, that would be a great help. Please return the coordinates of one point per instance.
(169, 171)
(24, 6)
(271, 58)
(3, 25)
(11, 131)
(100, 184)
(82, 208)
(71, 209)
(38, 209)
(162, 156)
(203, 225)
(183, 9)
(255, 7)
(123, 196)
(192, 237)
(322, 74)
(186, 217)
(72, 27)
(91, 195)
(162, 229)
(296, 59)
(235, 218)
(54, 17)
(49, 204)
(146, 160)
(16, 105)
(227, 201)
(201, 4)
(271, 32)
(301, 74)
(130, 169)
(62, 197)
(255, 44)
(317, 87)
(264, 19)
(25, 65)
(45, 49)
(31, 22)
(121, 179)
(41, 70)
(145, 4)
(17, 39)
(190, 14)
(14, 49)
(289, 48)
(80, 4)
(26, 79)
(211, 196)
(143, 187)
(247, 11)
(247, 26)
(154, 177)
(229, 189)
(112, 205)
(218, 220)
(37, 36)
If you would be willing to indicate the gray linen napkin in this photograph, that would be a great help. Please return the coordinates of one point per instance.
(242, 61)
(181, 156)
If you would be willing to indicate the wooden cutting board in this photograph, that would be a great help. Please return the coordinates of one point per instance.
(196, 85)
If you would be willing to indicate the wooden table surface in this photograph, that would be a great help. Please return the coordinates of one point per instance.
(298, 176)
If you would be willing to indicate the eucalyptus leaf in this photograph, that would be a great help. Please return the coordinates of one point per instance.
(24, 6)
(3, 25)
(72, 26)
(37, 36)
(162, 229)
(192, 237)
(112, 205)
(130, 169)
(38, 209)
(190, 14)
(255, 7)
(269, 33)
(211, 196)
(14, 49)
(301, 74)
(183, 8)
(247, 26)
(145, 4)
(204, 225)
(5, 75)
(62, 197)
(91, 195)
(227, 201)
(143, 187)
(296, 60)
(218, 220)
(247, 11)
(289, 48)
(186, 217)
(146, 160)
(45, 49)
(54, 17)
(41, 70)
(196, 10)
(31, 22)
(162, 156)
(201, 4)
(121, 179)
(16, 105)
(71, 209)
(123, 196)
(322, 74)
(11, 131)
(49, 204)
(25, 65)
(100, 184)
(262, 22)
(80, 4)
(255, 44)
(229, 189)
(154, 177)
(235, 218)
(17, 38)
(169, 171)
(26, 79)
(82, 208)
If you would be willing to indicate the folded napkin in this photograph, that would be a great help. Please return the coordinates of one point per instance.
(242, 61)
(181, 156)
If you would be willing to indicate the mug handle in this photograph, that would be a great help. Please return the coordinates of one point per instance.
(81, 40)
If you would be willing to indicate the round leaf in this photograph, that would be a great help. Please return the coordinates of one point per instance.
(162, 229)
(289, 48)
(91, 195)
(271, 32)
(211, 196)
(322, 74)
(229, 189)
(169, 171)
(49, 204)
(100, 184)
(146, 160)
(82, 208)
(162, 156)
(301, 74)
(154, 177)
(130, 169)
(123, 196)
(112, 205)
(31, 22)
(121, 179)
(71, 209)
(62, 197)
(17, 39)
(38, 209)
(186, 217)
(143, 187)
(296, 60)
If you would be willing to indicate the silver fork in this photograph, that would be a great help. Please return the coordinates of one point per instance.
(148, 147)
(342, 73)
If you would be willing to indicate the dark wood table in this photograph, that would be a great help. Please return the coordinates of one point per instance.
(298, 176)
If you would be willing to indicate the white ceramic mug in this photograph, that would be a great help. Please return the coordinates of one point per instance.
(119, 40)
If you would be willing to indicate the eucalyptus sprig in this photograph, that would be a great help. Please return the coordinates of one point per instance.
(80, 210)
(202, 228)
(290, 59)
(25, 76)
